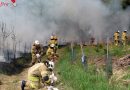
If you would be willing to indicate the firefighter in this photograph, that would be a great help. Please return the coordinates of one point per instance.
(54, 40)
(56, 43)
(124, 37)
(50, 51)
(39, 75)
(116, 38)
(37, 52)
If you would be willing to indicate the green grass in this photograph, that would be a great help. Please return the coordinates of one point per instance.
(119, 51)
(73, 75)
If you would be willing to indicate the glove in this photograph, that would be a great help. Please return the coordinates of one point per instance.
(52, 88)
(55, 89)
(53, 78)
(38, 55)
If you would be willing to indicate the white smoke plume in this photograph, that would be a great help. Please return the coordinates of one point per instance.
(69, 19)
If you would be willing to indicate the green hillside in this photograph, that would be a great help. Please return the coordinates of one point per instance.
(73, 75)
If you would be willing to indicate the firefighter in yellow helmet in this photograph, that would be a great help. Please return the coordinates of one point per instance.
(116, 38)
(56, 43)
(54, 40)
(37, 52)
(50, 51)
(39, 76)
(124, 37)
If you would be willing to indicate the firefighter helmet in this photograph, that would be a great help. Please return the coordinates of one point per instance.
(37, 42)
(52, 45)
(118, 31)
(125, 30)
(52, 37)
(55, 37)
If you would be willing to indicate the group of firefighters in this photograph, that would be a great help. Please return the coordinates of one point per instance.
(40, 74)
(123, 38)
(52, 48)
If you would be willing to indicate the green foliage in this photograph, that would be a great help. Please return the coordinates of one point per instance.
(74, 76)
(119, 51)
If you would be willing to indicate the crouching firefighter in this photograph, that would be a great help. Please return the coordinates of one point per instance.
(38, 76)
(37, 52)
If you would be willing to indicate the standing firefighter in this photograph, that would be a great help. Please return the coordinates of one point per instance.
(51, 55)
(50, 51)
(39, 76)
(56, 43)
(124, 37)
(116, 38)
(37, 52)
(54, 40)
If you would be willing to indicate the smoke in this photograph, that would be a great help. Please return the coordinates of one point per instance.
(72, 20)
(68, 18)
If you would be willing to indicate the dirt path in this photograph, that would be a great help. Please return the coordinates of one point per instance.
(12, 82)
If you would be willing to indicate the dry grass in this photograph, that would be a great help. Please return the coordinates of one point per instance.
(117, 77)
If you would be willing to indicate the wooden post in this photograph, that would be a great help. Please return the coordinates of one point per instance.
(83, 58)
(108, 62)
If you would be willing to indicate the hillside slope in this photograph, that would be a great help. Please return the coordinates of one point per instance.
(71, 73)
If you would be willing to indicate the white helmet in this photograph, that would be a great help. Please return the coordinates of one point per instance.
(51, 65)
(36, 42)
(52, 45)
(118, 31)
(125, 30)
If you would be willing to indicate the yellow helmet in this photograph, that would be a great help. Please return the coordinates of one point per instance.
(52, 37)
(55, 37)
(52, 45)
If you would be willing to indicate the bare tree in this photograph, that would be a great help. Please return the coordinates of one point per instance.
(4, 34)
(25, 48)
(8, 51)
(19, 43)
(14, 43)
(0, 45)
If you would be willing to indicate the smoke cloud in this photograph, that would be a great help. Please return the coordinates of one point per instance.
(69, 19)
